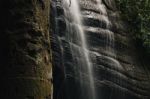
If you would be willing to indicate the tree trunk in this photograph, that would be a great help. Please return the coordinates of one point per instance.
(25, 53)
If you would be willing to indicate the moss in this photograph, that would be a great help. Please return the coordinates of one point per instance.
(136, 14)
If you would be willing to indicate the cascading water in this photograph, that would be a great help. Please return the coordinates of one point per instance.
(73, 43)
(85, 63)
(109, 35)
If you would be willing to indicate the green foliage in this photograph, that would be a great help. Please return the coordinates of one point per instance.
(137, 14)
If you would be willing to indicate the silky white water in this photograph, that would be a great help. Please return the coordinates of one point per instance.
(76, 17)
(77, 39)
(77, 49)
(110, 35)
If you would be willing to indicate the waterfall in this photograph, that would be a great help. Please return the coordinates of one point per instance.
(85, 63)
(110, 35)
(75, 50)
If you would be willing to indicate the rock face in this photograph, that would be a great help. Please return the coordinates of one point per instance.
(118, 72)
(25, 53)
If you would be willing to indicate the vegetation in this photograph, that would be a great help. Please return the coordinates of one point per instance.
(137, 14)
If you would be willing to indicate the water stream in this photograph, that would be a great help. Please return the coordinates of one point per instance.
(85, 62)
(77, 46)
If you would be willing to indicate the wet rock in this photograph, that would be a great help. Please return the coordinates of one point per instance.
(118, 74)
